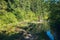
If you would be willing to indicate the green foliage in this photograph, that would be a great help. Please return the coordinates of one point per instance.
(54, 18)
(8, 18)
(12, 12)
(54, 14)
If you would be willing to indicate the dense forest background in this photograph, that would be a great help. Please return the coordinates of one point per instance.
(18, 18)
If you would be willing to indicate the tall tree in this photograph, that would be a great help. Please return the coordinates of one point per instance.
(55, 18)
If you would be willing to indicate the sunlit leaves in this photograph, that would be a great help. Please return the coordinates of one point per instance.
(15, 11)
(3, 5)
